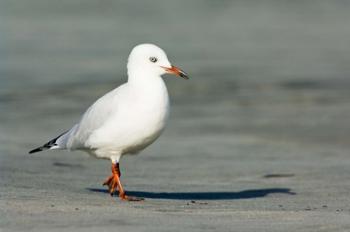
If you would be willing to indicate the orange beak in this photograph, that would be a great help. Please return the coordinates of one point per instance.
(175, 70)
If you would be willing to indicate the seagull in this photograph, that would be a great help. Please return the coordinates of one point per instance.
(127, 119)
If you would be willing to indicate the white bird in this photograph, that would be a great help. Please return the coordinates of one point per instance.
(127, 119)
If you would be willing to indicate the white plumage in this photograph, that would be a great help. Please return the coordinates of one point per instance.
(123, 121)
(128, 118)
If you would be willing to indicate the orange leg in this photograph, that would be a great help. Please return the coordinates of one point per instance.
(113, 183)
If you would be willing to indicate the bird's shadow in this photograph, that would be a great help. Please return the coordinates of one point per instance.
(219, 195)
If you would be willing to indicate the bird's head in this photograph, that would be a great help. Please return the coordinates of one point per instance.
(150, 59)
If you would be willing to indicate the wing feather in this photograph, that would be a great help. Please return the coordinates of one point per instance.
(93, 119)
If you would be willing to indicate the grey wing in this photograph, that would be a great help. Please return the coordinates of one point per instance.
(94, 117)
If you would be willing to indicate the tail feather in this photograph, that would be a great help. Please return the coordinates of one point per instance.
(49, 145)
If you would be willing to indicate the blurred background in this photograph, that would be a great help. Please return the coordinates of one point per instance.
(276, 69)
(269, 88)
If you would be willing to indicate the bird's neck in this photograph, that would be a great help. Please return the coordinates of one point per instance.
(144, 78)
(148, 84)
(151, 94)
(150, 89)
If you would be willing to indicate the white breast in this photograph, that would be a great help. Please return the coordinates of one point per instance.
(139, 118)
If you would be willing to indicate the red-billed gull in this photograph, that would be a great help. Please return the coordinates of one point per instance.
(127, 119)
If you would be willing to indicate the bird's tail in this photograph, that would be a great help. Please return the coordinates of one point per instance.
(49, 145)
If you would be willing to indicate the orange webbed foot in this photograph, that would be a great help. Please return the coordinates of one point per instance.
(113, 183)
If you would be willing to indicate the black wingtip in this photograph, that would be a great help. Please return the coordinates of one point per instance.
(47, 145)
(36, 150)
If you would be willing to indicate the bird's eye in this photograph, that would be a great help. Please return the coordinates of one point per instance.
(153, 59)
